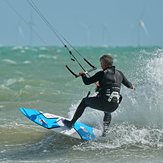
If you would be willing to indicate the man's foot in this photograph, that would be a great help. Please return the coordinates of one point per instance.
(104, 134)
(105, 130)
(68, 123)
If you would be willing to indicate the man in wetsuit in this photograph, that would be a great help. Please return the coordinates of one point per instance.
(108, 98)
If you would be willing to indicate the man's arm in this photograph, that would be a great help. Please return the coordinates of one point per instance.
(126, 82)
(89, 80)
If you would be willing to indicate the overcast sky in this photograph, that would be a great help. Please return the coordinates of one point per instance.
(83, 22)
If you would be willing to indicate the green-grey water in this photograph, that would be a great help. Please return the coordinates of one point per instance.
(36, 77)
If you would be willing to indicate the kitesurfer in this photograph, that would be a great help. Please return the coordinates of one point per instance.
(108, 83)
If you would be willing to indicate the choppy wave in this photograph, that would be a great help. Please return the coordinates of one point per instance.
(127, 136)
(46, 85)
(143, 107)
(29, 142)
(9, 61)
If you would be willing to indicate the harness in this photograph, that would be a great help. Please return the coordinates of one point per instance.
(109, 87)
(114, 97)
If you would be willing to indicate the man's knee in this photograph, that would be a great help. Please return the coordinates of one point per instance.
(82, 104)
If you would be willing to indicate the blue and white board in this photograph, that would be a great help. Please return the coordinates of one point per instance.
(55, 123)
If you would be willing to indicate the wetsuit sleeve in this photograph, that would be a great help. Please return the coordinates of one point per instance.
(93, 79)
(126, 82)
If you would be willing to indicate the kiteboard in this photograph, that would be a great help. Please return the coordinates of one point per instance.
(55, 123)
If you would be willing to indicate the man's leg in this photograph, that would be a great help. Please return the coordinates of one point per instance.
(93, 102)
(106, 122)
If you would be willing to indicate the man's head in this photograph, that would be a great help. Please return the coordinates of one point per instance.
(106, 61)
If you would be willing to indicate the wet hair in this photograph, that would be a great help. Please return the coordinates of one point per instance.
(108, 59)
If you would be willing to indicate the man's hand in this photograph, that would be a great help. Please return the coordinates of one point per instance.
(133, 87)
(81, 73)
(97, 84)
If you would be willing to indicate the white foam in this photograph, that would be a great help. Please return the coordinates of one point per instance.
(27, 62)
(143, 107)
(155, 67)
(125, 135)
(12, 81)
(17, 47)
(47, 56)
(43, 48)
(9, 61)
(22, 51)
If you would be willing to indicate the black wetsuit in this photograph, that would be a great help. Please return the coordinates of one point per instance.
(109, 80)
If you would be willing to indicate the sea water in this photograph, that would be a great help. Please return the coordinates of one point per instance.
(36, 77)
